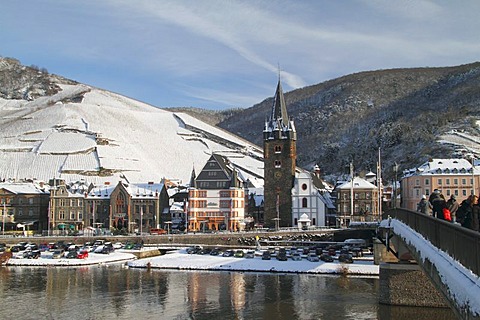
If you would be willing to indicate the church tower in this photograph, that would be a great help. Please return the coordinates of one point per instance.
(279, 153)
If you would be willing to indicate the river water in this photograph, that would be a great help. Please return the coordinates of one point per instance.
(117, 292)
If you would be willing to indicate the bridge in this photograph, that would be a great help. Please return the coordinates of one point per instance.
(447, 253)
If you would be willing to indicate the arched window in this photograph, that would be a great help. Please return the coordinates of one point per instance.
(304, 186)
(304, 203)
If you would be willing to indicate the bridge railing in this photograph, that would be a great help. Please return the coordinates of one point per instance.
(460, 243)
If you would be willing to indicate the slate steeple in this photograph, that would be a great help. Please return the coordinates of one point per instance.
(279, 126)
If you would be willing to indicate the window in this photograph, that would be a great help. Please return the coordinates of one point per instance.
(464, 182)
(417, 182)
(304, 186)
(417, 193)
(448, 192)
(439, 182)
(80, 215)
(455, 181)
(30, 212)
(278, 149)
(427, 192)
(456, 192)
(314, 222)
(447, 181)
(464, 193)
(72, 215)
(278, 164)
(356, 195)
(304, 203)
(61, 215)
(296, 222)
(427, 182)
(20, 212)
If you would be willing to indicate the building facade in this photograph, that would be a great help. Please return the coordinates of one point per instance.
(67, 208)
(216, 198)
(357, 201)
(127, 207)
(456, 177)
(309, 199)
(279, 152)
(24, 205)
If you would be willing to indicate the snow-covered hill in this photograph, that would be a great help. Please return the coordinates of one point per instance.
(86, 133)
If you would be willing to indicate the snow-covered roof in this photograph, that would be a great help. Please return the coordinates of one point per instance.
(358, 183)
(136, 191)
(22, 188)
(443, 166)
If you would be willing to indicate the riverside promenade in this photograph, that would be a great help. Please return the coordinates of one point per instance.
(226, 239)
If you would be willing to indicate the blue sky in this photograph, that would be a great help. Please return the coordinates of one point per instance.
(221, 54)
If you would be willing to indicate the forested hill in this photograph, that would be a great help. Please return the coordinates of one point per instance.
(404, 112)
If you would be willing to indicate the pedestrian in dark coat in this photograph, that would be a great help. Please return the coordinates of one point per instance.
(452, 205)
(422, 205)
(464, 212)
(438, 203)
(476, 214)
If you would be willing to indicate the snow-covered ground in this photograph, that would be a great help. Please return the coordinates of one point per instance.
(93, 258)
(181, 260)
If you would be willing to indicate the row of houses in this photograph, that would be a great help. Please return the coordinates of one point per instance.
(218, 198)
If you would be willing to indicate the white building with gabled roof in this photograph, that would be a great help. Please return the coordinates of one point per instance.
(311, 197)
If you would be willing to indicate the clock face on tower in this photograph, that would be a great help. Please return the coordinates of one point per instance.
(278, 174)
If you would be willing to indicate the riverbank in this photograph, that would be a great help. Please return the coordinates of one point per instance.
(46, 260)
(181, 260)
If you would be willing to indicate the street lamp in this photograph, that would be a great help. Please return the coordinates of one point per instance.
(394, 198)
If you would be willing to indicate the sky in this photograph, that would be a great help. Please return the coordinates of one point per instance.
(219, 54)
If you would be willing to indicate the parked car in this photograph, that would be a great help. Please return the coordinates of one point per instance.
(31, 254)
(282, 256)
(345, 258)
(57, 254)
(239, 254)
(215, 252)
(71, 255)
(157, 231)
(266, 255)
(194, 249)
(118, 245)
(107, 248)
(313, 257)
(296, 256)
(250, 254)
(228, 253)
(326, 257)
(82, 254)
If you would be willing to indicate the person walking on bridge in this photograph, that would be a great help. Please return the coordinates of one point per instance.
(452, 205)
(465, 212)
(438, 202)
(422, 206)
(475, 214)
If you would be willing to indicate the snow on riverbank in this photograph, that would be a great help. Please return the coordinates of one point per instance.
(93, 258)
(183, 261)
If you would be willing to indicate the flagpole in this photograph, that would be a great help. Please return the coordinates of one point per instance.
(141, 219)
(4, 214)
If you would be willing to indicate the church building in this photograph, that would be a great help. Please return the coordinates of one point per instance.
(279, 152)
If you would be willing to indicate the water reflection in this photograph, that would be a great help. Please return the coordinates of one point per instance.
(116, 292)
